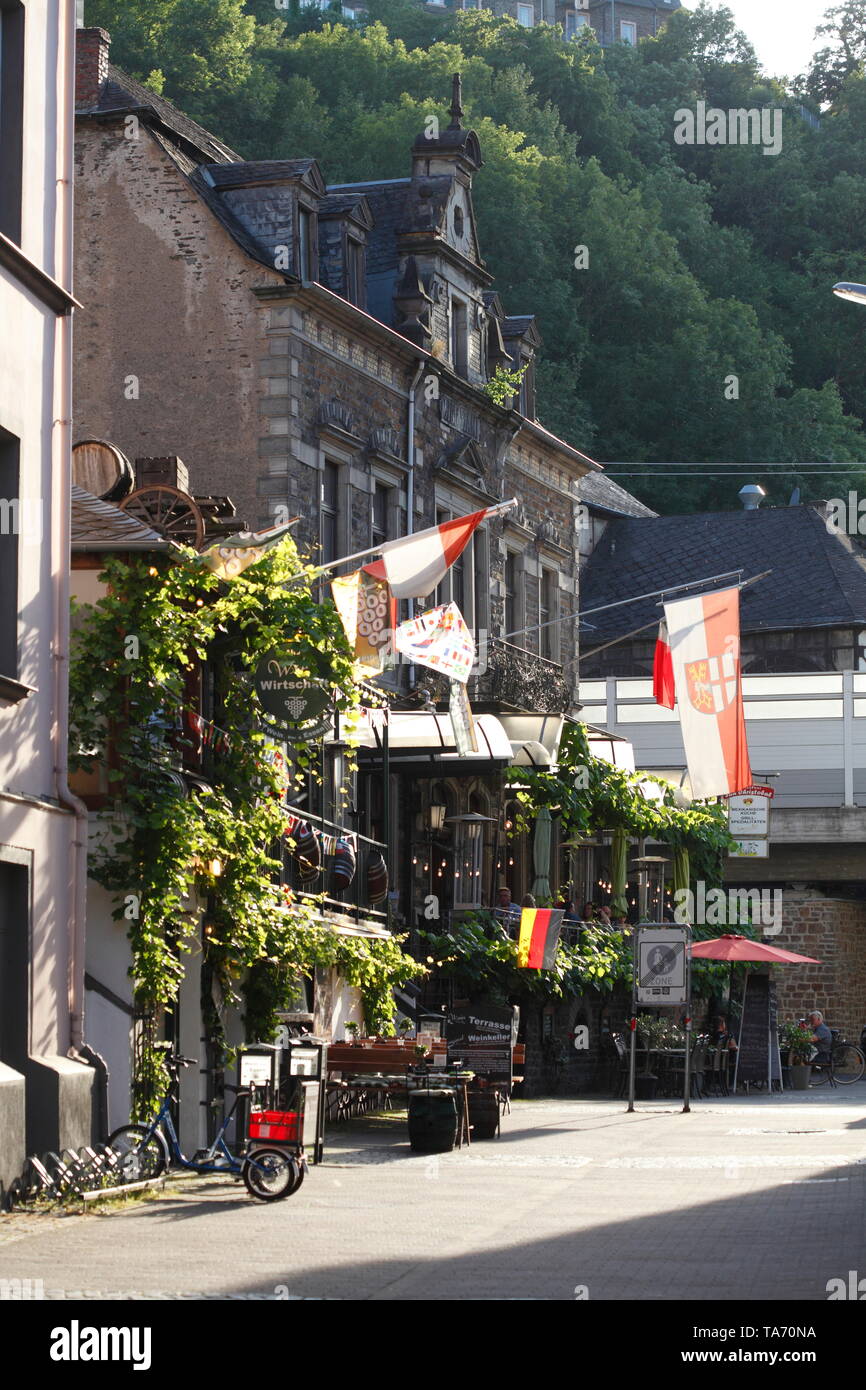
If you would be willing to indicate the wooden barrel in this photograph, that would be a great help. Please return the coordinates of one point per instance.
(101, 469)
(484, 1114)
(432, 1121)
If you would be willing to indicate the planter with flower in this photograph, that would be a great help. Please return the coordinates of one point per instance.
(798, 1040)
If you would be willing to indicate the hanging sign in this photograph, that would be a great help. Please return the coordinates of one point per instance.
(749, 812)
(290, 699)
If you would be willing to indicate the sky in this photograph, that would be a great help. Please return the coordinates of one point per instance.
(782, 31)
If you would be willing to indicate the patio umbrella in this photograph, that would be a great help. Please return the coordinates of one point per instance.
(541, 854)
(741, 948)
(618, 872)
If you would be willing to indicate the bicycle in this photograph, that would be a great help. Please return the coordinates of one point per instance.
(844, 1066)
(147, 1150)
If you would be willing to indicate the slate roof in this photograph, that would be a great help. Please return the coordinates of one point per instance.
(98, 525)
(246, 171)
(387, 199)
(601, 492)
(817, 580)
(122, 93)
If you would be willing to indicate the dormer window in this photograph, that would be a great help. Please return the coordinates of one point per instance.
(458, 221)
(306, 262)
(355, 272)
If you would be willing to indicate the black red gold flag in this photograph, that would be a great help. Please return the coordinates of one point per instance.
(539, 937)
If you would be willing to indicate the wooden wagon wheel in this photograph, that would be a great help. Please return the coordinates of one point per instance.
(168, 511)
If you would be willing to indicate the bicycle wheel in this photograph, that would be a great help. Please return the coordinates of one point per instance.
(141, 1152)
(848, 1064)
(820, 1073)
(270, 1174)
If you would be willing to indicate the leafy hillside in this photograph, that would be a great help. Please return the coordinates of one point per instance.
(705, 263)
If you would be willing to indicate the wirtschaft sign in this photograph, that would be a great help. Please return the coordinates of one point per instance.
(289, 699)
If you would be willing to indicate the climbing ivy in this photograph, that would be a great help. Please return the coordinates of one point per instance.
(593, 795)
(162, 849)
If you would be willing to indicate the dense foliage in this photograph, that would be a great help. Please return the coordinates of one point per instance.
(700, 264)
(165, 850)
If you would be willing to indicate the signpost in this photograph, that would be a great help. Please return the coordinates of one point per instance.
(662, 976)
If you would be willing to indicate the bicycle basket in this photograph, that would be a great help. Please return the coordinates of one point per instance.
(279, 1126)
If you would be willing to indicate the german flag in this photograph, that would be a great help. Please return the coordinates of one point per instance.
(539, 937)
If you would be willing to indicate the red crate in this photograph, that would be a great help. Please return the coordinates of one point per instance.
(280, 1126)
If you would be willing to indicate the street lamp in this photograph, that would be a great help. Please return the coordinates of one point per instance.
(847, 289)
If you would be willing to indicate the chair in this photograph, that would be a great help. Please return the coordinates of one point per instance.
(697, 1062)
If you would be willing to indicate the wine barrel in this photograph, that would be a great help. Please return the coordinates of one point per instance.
(102, 470)
(377, 878)
(484, 1114)
(432, 1121)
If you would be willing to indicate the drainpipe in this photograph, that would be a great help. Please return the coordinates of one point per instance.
(410, 480)
(61, 478)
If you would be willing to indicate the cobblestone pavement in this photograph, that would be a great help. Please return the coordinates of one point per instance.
(758, 1198)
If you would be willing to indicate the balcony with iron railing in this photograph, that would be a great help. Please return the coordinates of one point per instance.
(512, 677)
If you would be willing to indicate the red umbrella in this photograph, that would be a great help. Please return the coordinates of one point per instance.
(741, 948)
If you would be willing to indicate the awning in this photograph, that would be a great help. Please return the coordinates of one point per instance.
(611, 748)
(534, 738)
(427, 740)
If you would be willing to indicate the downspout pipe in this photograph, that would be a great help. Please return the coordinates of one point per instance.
(61, 526)
(410, 478)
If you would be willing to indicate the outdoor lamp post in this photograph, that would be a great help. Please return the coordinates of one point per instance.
(847, 289)
(437, 816)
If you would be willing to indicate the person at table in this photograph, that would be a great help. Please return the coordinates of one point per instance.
(588, 912)
(822, 1038)
(506, 910)
(720, 1035)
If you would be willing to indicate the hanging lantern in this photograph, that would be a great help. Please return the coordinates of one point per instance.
(307, 851)
(343, 867)
(377, 877)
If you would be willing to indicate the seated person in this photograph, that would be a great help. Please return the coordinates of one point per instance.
(720, 1035)
(822, 1038)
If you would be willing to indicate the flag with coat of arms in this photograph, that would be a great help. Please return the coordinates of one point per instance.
(704, 640)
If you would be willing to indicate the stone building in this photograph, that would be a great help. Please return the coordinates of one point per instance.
(612, 21)
(336, 344)
(46, 1083)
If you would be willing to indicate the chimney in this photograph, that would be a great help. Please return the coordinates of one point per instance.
(751, 496)
(91, 66)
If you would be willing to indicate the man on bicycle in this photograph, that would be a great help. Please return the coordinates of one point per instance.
(821, 1037)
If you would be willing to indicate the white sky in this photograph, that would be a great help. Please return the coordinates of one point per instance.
(782, 31)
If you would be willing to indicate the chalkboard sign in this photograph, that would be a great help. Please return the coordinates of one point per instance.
(483, 1037)
(758, 1054)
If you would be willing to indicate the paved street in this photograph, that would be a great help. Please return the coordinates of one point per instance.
(756, 1198)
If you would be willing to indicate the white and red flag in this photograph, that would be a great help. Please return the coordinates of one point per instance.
(663, 670)
(704, 638)
(414, 565)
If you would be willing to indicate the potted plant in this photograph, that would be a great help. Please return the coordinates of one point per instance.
(420, 1051)
(798, 1040)
(405, 1025)
(352, 1030)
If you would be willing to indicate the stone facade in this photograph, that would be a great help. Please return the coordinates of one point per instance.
(834, 931)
